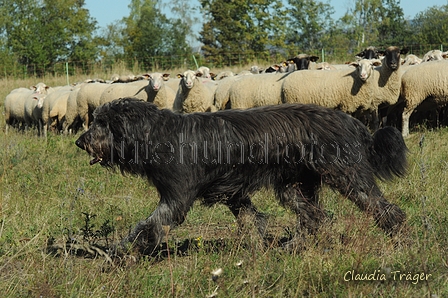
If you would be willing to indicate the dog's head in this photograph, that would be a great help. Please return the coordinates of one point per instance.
(97, 140)
(116, 127)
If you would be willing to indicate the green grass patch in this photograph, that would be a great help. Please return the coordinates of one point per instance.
(49, 192)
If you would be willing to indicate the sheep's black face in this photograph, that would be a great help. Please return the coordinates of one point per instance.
(392, 57)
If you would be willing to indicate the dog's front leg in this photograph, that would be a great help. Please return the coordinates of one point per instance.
(148, 234)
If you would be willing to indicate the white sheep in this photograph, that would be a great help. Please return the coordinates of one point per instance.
(72, 118)
(25, 105)
(434, 55)
(255, 69)
(158, 92)
(256, 90)
(15, 107)
(173, 83)
(343, 90)
(420, 82)
(88, 99)
(204, 71)
(325, 66)
(221, 96)
(123, 78)
(194, 94)
(223, 74)
(412, 59)
(119, 90)
(54, 108)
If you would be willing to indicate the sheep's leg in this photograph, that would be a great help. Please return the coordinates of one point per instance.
(85, 120)
(405, 122)
(375, 123)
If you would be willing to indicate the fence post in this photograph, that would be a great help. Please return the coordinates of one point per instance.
(66, 72)
(195, 62)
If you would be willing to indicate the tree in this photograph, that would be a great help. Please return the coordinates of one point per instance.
(393, 29)
(45, 32)
(430, 26)
(240, 30)
(378, 23)
(311, 21)
(149, 33)
(363, 20)
(186, 18)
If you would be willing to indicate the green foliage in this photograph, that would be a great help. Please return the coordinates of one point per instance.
(310, 22)
(238, 27)
(431, 25)
(149, 33)
(41, 33)
(37, 37)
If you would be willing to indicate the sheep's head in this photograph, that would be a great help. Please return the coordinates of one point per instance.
(365, 67)
(40, 92)
(368, 53)
(325, 66)
(412, 59)
(434, 55)
(156, 80)
(302, 61)
(392, 57)
(187, 78)
(204, 71)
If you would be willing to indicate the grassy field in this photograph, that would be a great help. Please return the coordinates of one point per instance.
(50, 195)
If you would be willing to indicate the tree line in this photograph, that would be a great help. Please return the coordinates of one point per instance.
(37, 35)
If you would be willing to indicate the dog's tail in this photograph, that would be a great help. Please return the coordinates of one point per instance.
(389, 157)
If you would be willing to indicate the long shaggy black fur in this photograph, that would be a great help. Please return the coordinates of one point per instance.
(225, 157)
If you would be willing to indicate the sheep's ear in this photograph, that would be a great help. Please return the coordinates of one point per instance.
(404, 51)
(376, 62)
(166, 76)
(146, 76)
(313, 58)
(361, 54)
(198, 74)
(179, 75)
(354, 64)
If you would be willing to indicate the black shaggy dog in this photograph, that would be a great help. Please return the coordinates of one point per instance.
(225, 157)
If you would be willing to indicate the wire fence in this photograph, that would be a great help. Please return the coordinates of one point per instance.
(159, 63)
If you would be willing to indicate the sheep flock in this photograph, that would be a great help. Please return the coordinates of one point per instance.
(379, 87)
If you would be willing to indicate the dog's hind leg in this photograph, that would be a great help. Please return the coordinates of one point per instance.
(389, 217)
(362, 189)
(303, 199)
(242, 208)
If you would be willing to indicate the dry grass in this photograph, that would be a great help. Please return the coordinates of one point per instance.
(48, 190)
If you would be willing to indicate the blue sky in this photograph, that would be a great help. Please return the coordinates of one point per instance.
(108, 11)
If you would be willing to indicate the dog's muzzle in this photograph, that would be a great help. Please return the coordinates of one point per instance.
(80, 143)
